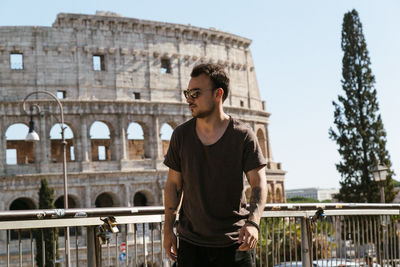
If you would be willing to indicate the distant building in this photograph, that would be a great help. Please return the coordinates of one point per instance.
(313, 192)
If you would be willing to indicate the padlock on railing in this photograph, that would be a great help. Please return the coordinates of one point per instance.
(104, 231)
(319, 215)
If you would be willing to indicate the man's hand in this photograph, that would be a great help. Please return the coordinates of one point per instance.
(170, 245)
(248, 234)
(248, 237)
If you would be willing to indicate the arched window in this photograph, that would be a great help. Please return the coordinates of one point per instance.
(270, 195)
(56, 145)
(22, 204)
(104, 200)
(19, 151)
(165, 133)
(140, 199)
(135, 141)
(261, 141)
(100, 141)
(278, 196)
(59, 203)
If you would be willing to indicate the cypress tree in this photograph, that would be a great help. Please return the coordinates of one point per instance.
(359, 133)
(46, 201)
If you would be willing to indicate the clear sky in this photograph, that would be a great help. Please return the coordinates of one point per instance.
(297, 55)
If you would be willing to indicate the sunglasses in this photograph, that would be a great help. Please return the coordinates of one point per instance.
(194, 93)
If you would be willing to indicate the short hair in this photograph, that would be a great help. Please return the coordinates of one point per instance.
(217, 75)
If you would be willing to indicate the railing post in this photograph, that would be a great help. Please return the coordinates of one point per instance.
(305, 245)
(91, 246)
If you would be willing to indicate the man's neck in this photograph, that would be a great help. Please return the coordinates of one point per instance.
(212, 122)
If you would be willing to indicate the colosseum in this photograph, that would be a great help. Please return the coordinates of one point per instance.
(120, 81)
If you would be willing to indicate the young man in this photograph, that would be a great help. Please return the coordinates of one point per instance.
(207, 158)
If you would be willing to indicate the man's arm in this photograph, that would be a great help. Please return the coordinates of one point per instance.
(248, 235)
(172, 196)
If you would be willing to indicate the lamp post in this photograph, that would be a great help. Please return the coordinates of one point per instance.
(380, 172)
(33, 136)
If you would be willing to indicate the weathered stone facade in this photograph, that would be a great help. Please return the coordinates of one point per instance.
(115, 70)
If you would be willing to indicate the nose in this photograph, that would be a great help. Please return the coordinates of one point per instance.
(189, 100)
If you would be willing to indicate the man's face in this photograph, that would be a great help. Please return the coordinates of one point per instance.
(204, 103)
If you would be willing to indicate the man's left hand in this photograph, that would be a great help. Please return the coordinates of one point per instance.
(248, 237)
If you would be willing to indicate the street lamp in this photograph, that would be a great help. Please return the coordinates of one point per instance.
(380, 172)
(33, 136)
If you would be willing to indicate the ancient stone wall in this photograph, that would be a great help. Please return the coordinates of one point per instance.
(117, 71)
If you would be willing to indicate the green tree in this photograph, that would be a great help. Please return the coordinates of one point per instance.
(46, 201)
(302, 200)
(359, 132)
(396, 183)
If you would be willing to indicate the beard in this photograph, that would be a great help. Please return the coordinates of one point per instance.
(204, 113)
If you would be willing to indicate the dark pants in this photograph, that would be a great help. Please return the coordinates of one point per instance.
(190, 255)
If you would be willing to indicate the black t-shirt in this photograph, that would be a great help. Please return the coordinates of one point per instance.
(214, 202)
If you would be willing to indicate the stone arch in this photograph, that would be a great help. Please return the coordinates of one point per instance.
(136, 142)
(16, 131)
(56, 145)
(73, 202)
(172, 122)
(19, 151)
(166, 130)
(21, 120)
(22, 203)
(145, 123)
(101, 134)
(278, 195)
(270, 194)
(106, 199)
(143, 198)
(261, 140)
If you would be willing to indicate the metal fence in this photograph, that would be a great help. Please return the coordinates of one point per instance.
(330, 235)
(290, 235)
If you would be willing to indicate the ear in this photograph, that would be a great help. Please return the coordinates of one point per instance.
(219, 94)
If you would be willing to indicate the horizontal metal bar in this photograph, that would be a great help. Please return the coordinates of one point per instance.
(271, 210)
(32, 224)
(306, 214)
(361, 212)
(288, 213)
(329, 206)
(14, 215)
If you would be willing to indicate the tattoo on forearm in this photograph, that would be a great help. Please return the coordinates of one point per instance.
(174, 209)
(255, 200)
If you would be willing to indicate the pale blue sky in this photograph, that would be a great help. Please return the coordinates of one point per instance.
(297, 55)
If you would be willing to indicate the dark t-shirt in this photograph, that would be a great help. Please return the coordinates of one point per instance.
(214, 202)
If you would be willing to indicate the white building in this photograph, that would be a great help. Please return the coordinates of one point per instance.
(313, 192)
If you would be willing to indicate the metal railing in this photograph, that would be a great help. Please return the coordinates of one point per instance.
(291, 235)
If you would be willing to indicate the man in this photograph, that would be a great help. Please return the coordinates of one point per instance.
(207, 158)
